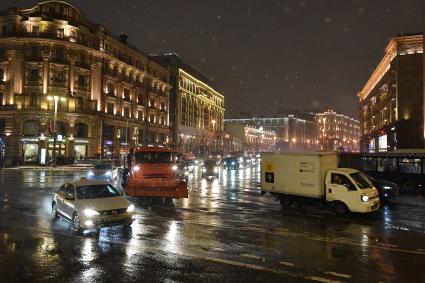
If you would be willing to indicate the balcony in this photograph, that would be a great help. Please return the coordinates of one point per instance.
(83, 65)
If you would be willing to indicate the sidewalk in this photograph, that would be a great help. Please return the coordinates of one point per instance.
(417, 200)
(75, 167)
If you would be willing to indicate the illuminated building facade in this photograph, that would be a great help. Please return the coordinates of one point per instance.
(111, 96)
(253, 139)
(338, 132)
(293, 132)
(392, 101)
(196, 108)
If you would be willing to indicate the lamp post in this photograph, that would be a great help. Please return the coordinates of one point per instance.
(213, 121)
(55, 99)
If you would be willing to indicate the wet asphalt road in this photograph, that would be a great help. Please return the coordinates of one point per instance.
(226, 231)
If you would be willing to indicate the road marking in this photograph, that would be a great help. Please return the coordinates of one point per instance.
(251, 256)
(320, 279)
(338, 274)
(287, 263)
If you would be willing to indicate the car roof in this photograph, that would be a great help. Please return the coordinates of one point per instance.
(87, 182)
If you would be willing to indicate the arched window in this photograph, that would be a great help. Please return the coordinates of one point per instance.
(81, 130)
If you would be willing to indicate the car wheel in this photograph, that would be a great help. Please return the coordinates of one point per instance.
(76, 223)
(54, 211)
(340, 208)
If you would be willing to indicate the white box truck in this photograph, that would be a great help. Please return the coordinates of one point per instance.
(315, 176)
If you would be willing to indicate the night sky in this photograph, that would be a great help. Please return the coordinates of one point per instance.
(266, 55)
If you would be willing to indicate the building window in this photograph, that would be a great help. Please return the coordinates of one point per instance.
(34, 51)
(126, 93)
(152, 119)
(59, 77)
(60, 54)
(1, 98)
(4, 30)
(82, 80)
(152, 102)
(111, 89)
(140, 115)
(35, 30)
(34, 75)
(80, 102)
(110, 108)
(31, 128)
(82, 58)
(33, 99)
(2, 52)
(60, 33)
(127, 112)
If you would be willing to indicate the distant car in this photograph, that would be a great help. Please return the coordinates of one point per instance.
(386, 189)
(91, 204)
(231, 163)
(103, 171)
(210, 169)
(183, 169)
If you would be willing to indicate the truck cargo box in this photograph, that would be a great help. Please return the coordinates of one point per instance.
(300, 174)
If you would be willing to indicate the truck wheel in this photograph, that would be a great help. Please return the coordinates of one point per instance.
(340, 208)
(285, 201)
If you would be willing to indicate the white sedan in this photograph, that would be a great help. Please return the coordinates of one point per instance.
(103, 171)
(91, 204)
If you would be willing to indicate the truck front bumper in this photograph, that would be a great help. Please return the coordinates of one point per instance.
(157, 188)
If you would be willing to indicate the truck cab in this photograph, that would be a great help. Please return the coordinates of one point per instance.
(349, 189)
(153, 174)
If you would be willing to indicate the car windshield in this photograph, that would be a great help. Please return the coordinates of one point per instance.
(96, 191)
(153, 157)
(103, 166)
(361, 180)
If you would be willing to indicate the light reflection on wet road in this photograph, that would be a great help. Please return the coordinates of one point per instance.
(225, 231)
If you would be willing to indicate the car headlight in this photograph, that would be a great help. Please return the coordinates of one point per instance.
(204, 170)
(108, 173)
(386, 188)
(233, 163)
(240, 159)
(131, 208)
(90, 174)
(365, 198)
(90, 212)
(136, 168)
(215, 169)
(186, 173)
(174, 167)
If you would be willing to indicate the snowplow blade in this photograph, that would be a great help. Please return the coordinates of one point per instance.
(157, 188)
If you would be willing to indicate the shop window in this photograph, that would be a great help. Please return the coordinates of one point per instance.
(31, 128)
(410, 166)
(34, 75)
(30, 152)
(81, 130)
(80, 151)
(369, 163)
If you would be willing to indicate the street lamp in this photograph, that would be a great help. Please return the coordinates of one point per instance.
(55, 99)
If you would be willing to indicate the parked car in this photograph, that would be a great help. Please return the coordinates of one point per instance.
(386, 189)
(103, 171)
(89, 204)
(231, 163)
(210, 169)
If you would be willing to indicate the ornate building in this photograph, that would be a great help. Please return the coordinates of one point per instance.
(295, 132)
(110, 96)
(196, 108)
(338, 131)
(253, 139)
(392, 100)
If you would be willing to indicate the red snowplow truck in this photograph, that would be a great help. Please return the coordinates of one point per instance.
(152, 174)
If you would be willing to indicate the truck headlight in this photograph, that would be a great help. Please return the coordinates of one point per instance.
(174, 167)
(215, 169)
(386, 188)
(108, 173)
(90, 174)
(90, 212)
(233, 162)
(365, 198)
(131, 208)
(204, 170)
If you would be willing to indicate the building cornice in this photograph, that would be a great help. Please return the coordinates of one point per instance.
(398, 46)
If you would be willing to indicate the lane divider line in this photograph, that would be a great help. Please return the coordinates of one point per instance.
(338, 274)
(251, 256)
(321, 279)
(287, 263)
